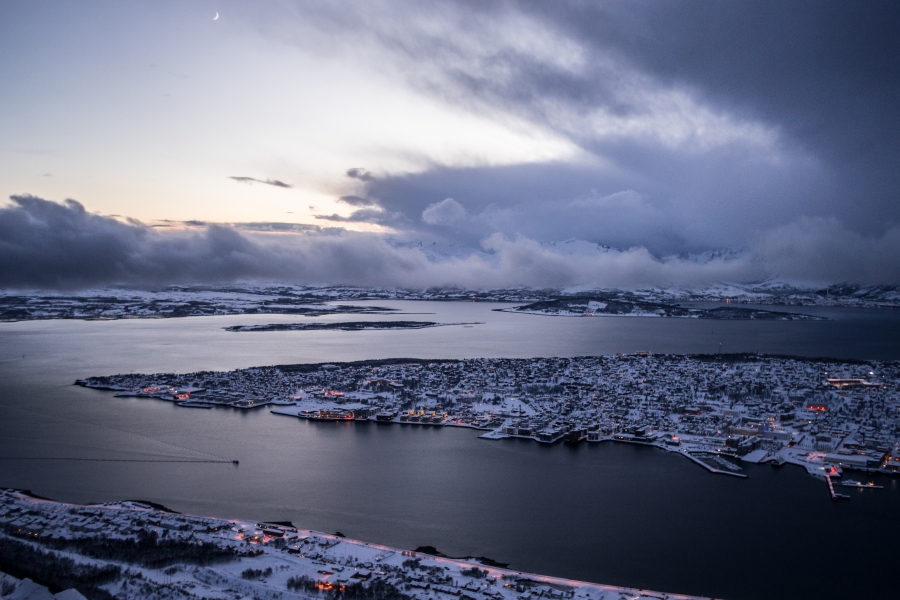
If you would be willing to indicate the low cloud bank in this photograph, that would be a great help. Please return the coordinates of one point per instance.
(822, 249)
(61, 245)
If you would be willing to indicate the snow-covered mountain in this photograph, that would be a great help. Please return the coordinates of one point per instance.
(583, 248)
(708, 256)
(305, 298)
(438, 251)
(776, 291)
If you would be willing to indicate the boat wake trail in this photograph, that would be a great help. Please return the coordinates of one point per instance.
(127, 460)
(215, 457)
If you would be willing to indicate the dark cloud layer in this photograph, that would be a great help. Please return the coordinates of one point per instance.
(767, 127)
(357, 200)
(731, 121)
(375, 216)
(61, 245)
(823, 73)
(273, 182)
(53, 245)
(359, 173)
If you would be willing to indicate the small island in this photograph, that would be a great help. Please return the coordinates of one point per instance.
(344, 326)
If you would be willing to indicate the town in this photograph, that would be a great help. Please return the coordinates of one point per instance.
(139, 551)
(826, 416)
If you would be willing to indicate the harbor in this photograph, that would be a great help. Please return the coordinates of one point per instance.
(717, 411)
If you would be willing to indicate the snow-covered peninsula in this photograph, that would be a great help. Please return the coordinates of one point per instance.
(141, 551)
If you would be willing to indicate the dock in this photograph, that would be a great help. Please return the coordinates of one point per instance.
(861, 486)
(709, 468)
(834, 495)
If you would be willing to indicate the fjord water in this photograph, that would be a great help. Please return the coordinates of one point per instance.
(610, 513)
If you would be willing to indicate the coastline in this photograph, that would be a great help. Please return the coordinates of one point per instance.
(265, 560)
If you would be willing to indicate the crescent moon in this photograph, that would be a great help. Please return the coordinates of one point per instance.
(216, 18)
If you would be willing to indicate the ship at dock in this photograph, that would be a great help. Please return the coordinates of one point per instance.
(328, 415)
(859, 484)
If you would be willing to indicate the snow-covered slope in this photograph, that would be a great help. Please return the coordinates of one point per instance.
(583, 248)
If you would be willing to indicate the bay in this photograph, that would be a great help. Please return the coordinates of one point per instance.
(612, 513)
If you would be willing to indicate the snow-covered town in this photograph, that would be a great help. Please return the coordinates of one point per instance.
(135, 550)
(829, 417)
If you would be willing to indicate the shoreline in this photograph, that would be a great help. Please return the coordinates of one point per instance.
(727, 407)
(264, 559)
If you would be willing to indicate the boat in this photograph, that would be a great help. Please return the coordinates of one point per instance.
(861, 485)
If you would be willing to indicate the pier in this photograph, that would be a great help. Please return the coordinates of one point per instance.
(709, 468)
(834, 495)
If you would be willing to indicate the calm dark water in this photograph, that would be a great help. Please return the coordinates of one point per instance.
(611, 513)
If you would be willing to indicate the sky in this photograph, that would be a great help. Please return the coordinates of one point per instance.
(449, 143)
